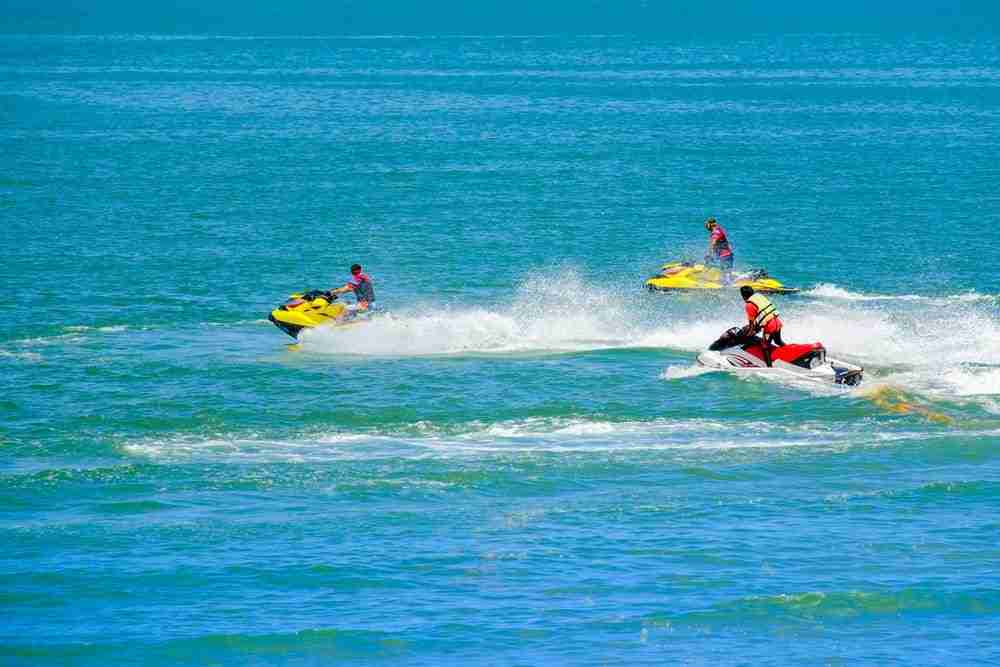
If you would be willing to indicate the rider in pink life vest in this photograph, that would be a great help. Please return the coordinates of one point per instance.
(361, 284)
(719, 249)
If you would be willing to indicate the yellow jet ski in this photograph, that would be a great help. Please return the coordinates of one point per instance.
(691, 276)
(312, 309)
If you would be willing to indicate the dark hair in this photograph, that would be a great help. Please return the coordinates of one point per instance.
(355, 267)
(746, 291)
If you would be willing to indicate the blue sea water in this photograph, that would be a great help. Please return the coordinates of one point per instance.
(520, 462)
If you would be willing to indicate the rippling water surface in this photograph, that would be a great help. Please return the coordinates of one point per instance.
(520, 462)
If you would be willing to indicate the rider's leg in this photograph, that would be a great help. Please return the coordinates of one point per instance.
(776, 337)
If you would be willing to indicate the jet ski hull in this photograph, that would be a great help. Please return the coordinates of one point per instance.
(833, 372)
(310, 310)
(689, 276)
(288, 327)
(735, 351)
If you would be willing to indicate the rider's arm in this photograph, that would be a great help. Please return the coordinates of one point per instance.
(340, 290)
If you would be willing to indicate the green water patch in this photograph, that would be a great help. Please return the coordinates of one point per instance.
(17, 183)
(821, 608)
(324, 577)
(319, 646)
(128, 507)
(964, 493)
(709, 474)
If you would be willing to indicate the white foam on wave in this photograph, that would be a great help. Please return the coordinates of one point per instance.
(28, 357)
(561, 428)
(70, 335)
(527, 437)
(115, 328)
(474, 438)
(246, 448)
(830, 291)
(54, 340)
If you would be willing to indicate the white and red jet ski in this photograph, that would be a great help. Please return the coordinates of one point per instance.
(736, 349)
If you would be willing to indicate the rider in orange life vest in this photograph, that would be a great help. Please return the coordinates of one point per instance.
(361, 285)
(719, 249)
(763, 317)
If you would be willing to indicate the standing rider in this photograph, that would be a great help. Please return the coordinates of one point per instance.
(361, 285)
(719, 249)
(763, 317)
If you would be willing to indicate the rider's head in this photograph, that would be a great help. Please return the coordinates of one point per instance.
(710, 223)
(746, 292)
(355, 269)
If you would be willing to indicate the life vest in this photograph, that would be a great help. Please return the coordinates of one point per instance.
(765, 309)
(362, 286)
(721, 247)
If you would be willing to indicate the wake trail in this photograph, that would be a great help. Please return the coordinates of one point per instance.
(908, 342)
(551, 315)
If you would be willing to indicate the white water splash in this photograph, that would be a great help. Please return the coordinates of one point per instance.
(944, 352)
(906, 341)
(829, 291)
(557, 315)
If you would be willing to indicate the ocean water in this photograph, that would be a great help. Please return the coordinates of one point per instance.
(519, 462)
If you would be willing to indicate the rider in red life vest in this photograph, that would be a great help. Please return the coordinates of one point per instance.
(361, 285)
(719, 249)
(763, 317)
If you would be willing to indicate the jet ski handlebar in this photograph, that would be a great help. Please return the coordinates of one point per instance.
(732, 336)
(320, 294)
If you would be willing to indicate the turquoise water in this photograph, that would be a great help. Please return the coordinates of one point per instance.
(520, 463)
